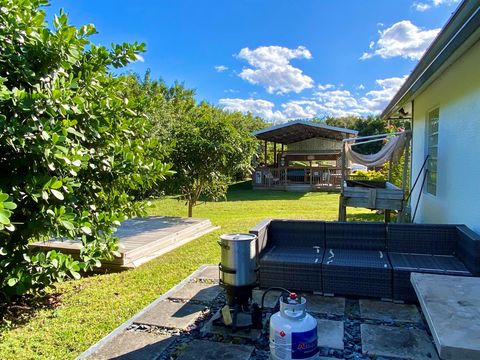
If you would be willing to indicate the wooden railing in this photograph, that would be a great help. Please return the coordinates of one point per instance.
(328, 177)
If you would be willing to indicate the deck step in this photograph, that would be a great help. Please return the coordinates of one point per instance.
(140, 240)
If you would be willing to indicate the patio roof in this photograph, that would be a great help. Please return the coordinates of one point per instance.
(298, 130)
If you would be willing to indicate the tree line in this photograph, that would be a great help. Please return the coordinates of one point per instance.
(81, 148)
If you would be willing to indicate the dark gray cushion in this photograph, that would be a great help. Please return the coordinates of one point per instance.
(293, 268)
(356, 258)
(355, 235)
(283, 254)
(437, 264)
(301, 233)
(422, 238)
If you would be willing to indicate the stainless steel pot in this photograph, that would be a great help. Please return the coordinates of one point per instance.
(238, 265)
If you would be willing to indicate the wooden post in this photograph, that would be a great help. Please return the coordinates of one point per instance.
(342, 209)
(401, 214)
(405, 164)
(387, 216)
(265, 153)
(344, 164)
(274, 154)
(390, 169)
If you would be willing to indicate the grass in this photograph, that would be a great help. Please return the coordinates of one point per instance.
(92, 307)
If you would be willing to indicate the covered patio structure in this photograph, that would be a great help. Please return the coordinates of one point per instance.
(300, 155)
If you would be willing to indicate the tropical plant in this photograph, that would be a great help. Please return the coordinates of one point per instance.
(73, 152)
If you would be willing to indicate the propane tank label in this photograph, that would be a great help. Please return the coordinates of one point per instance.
(304, 344)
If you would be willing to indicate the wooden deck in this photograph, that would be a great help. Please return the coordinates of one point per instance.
(141, 239)
(313, 178)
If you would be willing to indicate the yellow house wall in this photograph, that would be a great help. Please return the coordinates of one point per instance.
(457, 95)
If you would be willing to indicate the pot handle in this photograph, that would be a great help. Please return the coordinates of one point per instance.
(225, 246)
(226, 269)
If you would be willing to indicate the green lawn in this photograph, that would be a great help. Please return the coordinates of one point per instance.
(92, 307)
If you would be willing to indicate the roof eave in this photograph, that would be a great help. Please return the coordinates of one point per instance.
(463, 25)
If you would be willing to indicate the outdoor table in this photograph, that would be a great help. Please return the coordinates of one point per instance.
(451, 305)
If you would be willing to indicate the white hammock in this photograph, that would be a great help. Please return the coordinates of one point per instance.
(391, 150)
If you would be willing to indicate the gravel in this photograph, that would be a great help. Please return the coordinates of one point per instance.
(352, 336)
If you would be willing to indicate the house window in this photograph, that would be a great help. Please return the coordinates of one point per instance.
(432, 148)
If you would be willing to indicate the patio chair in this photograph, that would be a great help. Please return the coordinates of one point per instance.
(270, 179)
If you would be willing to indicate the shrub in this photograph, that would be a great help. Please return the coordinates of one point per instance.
(368, 175)
(72, 151)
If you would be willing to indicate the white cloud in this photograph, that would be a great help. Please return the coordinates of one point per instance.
(300, 109)
(361, 87)
(402, 39)
(376, 100)
(325, 87)
(341, 102)
(331, 101)
(271, 68)
(231, 91)
(257, 107)
(139, 58)
(338, 103)
(220, 68)
(423, 6)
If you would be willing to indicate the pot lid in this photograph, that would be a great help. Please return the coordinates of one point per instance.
(238, 237)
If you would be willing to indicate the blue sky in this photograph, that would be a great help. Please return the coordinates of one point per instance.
(278, 59)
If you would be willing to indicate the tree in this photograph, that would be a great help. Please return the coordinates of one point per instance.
(208, 150)
(169, 108)
(73, 152)
(161, 104)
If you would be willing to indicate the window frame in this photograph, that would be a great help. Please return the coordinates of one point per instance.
(431, 148)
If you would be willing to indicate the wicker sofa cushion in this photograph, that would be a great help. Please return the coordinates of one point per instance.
(293, 268)
(422, 238)
(355, 236)
(356, 258)
(283, 254)
(292, 233)
(357, 272)
(438, 264)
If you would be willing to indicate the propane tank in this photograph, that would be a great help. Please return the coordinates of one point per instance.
(293, 332)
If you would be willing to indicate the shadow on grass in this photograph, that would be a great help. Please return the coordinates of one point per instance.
(243, 191)
(19, 311)
(368, 216)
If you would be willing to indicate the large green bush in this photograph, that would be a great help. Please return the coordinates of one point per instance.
(72, 150)
(208, 150)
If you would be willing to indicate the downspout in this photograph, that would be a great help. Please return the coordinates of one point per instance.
(412, 120)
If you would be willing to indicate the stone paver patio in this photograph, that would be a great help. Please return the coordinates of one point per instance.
(177, 315)
(202, 349)
(385, 311)
(397, 342)
(178, 326)
(134, 345)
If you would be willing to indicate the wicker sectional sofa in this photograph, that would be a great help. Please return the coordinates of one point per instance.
(361, 259)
